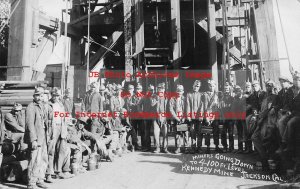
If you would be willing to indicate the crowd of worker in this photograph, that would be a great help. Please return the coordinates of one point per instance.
(60, 138)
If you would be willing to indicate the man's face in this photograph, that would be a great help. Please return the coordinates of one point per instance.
(180, 93)
(248, 89)
(238, 93)
(93, 89)
(256, 87)
(296, 82)
(226, 90)
(211, 87)
(161, 90)
(46, 97)
(80, 126)
(284, 84)
(196, 88)
(37, 98)
(55, 98)
(269, 88)
(131, 91)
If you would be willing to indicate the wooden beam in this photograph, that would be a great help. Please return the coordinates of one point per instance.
(48, 22)
(128, 37)
(176, 31)
(212, 33)
(110, 43)
(139, 31)
(102, 10)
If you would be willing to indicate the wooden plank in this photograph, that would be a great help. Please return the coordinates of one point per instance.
(101, 52)
(212, 33)
(128, 37)
(176, 32)
(139, 31)
(266, 36)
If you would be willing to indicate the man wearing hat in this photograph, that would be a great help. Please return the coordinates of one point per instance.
(87, 100)
(58, 144)
(226, 107)
(149, 106)
(117, 101)
(35, 137)
(15, 124)
(160, 126)
(131, 104)
(257, 96)
(68, 103)
(177, 110)
(262, 136)
(211, 108)
(239, 108)
(292, 120)
(194, 110)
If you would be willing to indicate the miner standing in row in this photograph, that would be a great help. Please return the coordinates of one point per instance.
(195, 107)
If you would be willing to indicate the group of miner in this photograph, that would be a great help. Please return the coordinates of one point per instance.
(264, 120)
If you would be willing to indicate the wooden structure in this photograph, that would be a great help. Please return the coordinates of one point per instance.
(223, 37)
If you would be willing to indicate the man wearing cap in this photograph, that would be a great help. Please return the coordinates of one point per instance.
(68, 102)
(292, 110)
(177, 110)
(257, 96)
(239, 111)
(211, 109)
(117, 101)
(35, 137)
(226, 108)
(58, 144)
(194, 114)
(131, 105)
(78, 135)
(149, 106)
(49, 127)
(87, 100)
(262, 136)
(15, 124)
(159, 103)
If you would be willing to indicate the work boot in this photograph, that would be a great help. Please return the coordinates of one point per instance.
(62, 176)
(32, 187)
(218, 149)
(42, 185)
(49, 179)
(207, 150)
(177, 151)
(281, 149)
(137, 147)
(230, 150)
(200, 151)
(146, 150)
(68, 174)
(165, 150)
(110, 157)
(157, 150)
(239, 151)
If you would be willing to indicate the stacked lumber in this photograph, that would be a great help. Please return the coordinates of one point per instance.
(17, 92)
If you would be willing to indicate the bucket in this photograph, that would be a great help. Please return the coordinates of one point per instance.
(91, 164)
(75, 168)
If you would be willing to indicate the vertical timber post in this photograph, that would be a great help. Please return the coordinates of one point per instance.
(176, 34)
(128, 38)
(139, 32)
(212, 41)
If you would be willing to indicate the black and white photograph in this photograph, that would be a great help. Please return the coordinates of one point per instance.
(150, 94)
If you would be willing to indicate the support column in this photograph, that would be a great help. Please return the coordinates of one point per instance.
(139, 31)
(128, 37)
(21, 41)
(176, 34)
(212, 40)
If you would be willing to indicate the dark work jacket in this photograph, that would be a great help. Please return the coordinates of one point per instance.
(255, 99)
(294, 103)
(283, 99)
(34, 124)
